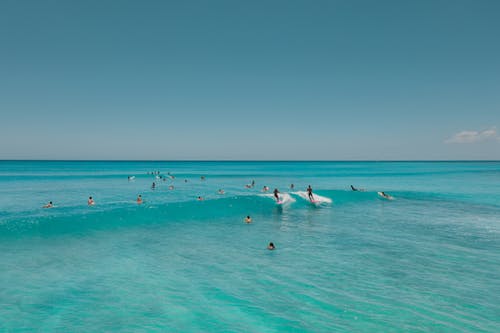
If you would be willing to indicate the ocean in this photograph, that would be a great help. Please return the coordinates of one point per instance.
(426, 261)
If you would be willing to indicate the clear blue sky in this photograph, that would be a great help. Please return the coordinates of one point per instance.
(250, 79)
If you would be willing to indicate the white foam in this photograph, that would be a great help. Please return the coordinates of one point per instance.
(285, 198)
(318, 199)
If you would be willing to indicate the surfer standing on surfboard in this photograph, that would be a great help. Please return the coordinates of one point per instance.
(310, 193)
(276, 192)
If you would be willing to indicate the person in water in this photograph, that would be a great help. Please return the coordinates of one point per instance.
(357, 189)
(310, 193)
(385, 195)
(265, 189)
(292, 186)
(49, 205)
(271, 246)
(153, 186)
(276, 194)
(139, 199)
(200, 198)
(248, 219)
(221, 191)
(91, 201)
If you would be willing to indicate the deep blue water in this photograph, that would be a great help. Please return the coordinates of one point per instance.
(427, 261)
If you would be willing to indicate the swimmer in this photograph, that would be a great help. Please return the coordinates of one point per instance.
(310, 193)
(139, 199)
(387, 196)
(200, 199)
(276, 194)
(271, 246)
(49, 205)
(357, 189)
(221, 191)
(90, 202)
(248, 219)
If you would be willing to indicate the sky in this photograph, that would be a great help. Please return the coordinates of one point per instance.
(250, 80)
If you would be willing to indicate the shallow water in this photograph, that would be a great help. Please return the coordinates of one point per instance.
(426, 261)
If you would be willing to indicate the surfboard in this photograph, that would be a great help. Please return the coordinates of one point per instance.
(317, 199)
(387, 197)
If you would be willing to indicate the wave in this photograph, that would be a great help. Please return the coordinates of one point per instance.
(122, 213)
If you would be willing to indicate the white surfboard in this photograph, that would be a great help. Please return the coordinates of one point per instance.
(317, 199)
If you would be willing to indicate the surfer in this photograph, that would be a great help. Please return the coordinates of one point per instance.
(385, 195)
(357, 189)
(49, 205)
(221, 191)
(265, 189)
(253, 183)
(276, 194)
(153, 186)
(139, 199)
(91, 201)
(310, 193)
(248, 219)
(271, 246)
(292, 187)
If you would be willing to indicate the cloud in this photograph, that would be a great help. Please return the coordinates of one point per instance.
(474, 136)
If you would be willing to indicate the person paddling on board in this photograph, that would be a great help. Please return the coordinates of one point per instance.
(310, 193)
(276, 194)
(353, 188)
(387, 196)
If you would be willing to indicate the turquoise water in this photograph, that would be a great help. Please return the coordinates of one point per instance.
(427, 261)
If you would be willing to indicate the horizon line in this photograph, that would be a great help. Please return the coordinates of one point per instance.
(235, 160)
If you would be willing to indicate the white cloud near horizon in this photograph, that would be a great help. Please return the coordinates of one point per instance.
(474, 136)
